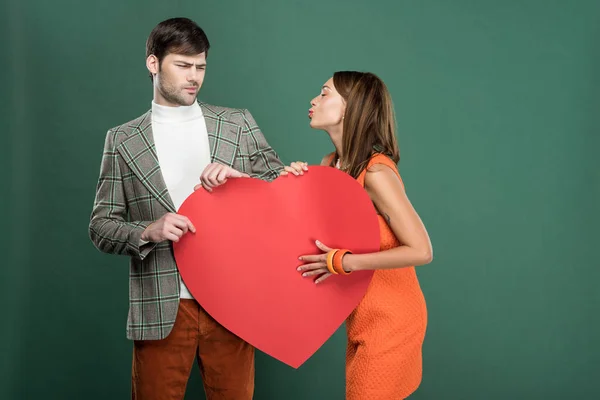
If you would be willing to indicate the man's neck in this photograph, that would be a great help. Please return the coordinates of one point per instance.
(167, 114)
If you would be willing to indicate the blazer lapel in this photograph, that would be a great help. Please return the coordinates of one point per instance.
(139, 152)
(223, 136)
(212, 121)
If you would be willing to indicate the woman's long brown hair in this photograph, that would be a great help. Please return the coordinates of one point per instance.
(369, 120)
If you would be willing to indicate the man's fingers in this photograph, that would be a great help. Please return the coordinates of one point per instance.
(177, 222)
(185, 225)
(200, 186)
(223, 174)
(170, 230)
(185, 221)
(172, 217)
(204, 181)
(212, 178)
(234, 173)
(216, 174)
(190, 226)
(207, 184)
(172, 237)
(206, 171)
(175, 230)
(204, 177)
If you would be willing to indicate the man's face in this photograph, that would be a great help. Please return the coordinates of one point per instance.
(177, 79)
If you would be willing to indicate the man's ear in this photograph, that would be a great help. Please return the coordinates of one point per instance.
(152, 64)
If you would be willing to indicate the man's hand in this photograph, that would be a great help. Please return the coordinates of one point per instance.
(217, 174)
(169, 227)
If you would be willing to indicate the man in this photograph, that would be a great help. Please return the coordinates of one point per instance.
(149, 166)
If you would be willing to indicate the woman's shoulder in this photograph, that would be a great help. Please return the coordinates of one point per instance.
(381, 169)
(379, 161)
(326, 161)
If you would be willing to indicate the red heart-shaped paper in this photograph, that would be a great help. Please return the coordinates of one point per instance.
(240, 265)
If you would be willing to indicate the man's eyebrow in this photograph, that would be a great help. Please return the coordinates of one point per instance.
(188, 63)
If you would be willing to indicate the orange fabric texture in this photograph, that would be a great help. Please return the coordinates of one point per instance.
(387, 329)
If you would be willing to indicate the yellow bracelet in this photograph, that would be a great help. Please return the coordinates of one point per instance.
(330, 261)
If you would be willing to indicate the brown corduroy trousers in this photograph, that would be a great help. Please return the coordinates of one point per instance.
(161, 368)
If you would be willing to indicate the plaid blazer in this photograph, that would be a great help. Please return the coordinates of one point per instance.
(131, 194)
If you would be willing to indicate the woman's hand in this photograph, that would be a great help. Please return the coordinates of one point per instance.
(296, 168)
(316, 264)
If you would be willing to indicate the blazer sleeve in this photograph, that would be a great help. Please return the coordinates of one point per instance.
(109, 229)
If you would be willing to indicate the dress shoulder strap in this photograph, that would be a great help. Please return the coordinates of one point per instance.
(379, 158)
(329, 158)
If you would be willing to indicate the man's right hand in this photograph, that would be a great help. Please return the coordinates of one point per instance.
(170, 227)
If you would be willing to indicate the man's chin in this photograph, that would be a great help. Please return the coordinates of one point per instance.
(187, 101)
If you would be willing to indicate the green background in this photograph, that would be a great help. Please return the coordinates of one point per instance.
(497, 107)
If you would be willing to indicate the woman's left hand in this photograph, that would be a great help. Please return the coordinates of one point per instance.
(316, 264)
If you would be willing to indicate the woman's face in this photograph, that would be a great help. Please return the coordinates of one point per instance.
(327, 108)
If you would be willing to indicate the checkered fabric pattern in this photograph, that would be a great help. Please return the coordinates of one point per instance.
(131, 194)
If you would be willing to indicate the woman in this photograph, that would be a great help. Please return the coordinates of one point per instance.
(387, 329)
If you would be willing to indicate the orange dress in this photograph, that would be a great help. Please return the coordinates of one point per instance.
(387, 329)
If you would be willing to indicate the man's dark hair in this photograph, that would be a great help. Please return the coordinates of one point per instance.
(177, 36)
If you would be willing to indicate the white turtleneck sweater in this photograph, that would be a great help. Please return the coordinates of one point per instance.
(183, 152)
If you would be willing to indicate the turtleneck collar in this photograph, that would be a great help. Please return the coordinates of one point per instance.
(166, 114)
